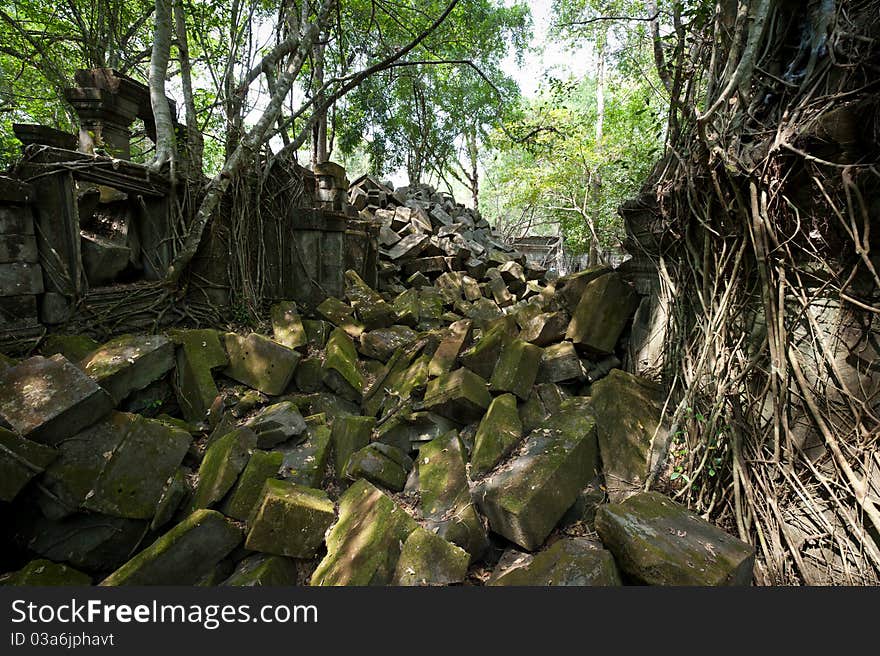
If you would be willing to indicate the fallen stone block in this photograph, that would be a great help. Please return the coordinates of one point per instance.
(428, 559)
(183, 555)
(407, 306)
(659, 542)
(263, 570)
(444, 494)
(306, 463)
(603, 312)
(524, 499)
(177, 489)
(72, 347)
(46, 573)
(561, 363)
(199, 354)
(570, 288)
(102, 260)
(129, 363)
(20, 461)
(224, 460)
(341, 372)
(341, 315)
(47, 400)
(569, 562)
(632, 435)
(460, 395)
(483, 311)
(431, 305)
(471, 289)
(262, 466)
(359, 552)
(317, 332)
(428, 266)
(260, 363)
(408, 247)
(545, 329)
(350, 433)
(455, 339)
(408, 431)
(517, 368)
(290, 520)
(381, 464)
(287, 326)
(482, 357)
(309, 375)
(276, 423)
(583, 510)
(499, 291)
(382, 343)
(499, 432)
(417, 281)
(370, 307)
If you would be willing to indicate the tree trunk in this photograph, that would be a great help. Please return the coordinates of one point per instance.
(596, 179)
(166, 149)
(319, 141)
(473, 176)
(195, 143)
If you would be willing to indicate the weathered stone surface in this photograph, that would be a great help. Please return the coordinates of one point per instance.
(72, 347)
(444, 494)
(276, 423)
(455, 339)
(498, 288)
(129, 363)
(103, 260)
(431, 305)
(223, 462)
(261, 466)
(499, 431)
(199, 354)
(287, 325)
(48, 399)
(44, 573)
(260, 363)
(408, 247)
(407, 431)
(306, 463)
(426, 265)
(517, 368)
(631, 432)
(482, 357)
(407, 305)
(20, 461)
(183, 555)
(341, 315)
(290, 520)
(659, 542)
(341, 372)
(428, 559)
(350, 433)
(605, 308)
(382, 343)
(317, 331)
(364, 545)
(460, 395)
(309, 375)
(525, 498)
(381, 464)
(471, 289)
(570, 288)
(545, 328)
(560, 363)
(370, 307)
(569, 562)
(263, 570)
(176, 490)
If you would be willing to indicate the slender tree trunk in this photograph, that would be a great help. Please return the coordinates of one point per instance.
(596, 180)
(195, 142)
(474, 174)
(165, 138)
(319, 143)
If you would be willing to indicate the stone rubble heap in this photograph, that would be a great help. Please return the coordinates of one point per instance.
(466, 422)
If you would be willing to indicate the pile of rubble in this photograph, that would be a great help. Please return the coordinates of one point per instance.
(466, 422)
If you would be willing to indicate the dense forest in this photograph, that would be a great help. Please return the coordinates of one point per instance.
(723, 154)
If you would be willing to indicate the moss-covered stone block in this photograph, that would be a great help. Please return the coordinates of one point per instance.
(567, 562)
(72, 347)
(381, 464)
(20, 461)
(261, 466)
(341, 315)
(287, 326)
(48, 400)
(454, 340)
(177, 489)
(289, 520)
(306, 463)
(317, 331)
(482, 357)
(260, 362)
(428, 559)
(199, 353)
(224, 460)
(659, 542)
(263, 570)
(444, 494)
(129, 362)
(277, 423)
(350, 433)
(364, 545)
(561, 363)
(183, 555)
(632, 433)
(407, 307)
(46, 573)
(500, 430)
(381, 344)
(604, 310)
(309, 375)
(570, 288)
(524, 499)
(373, 311)
(341, 371)
(517, 368)
(460, 395)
